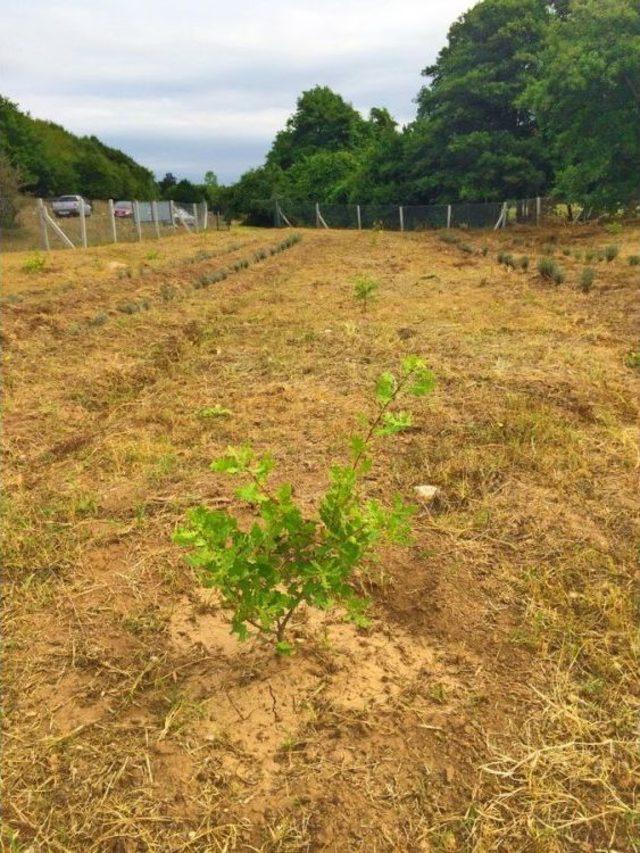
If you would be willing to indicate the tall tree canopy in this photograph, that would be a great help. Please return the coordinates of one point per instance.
(323, 121)
(473, 138)
(587, 100)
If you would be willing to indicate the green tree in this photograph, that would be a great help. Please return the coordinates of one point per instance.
(96, 176)
(253, 196)
(166, 184)
(9, 189)
(322, 176)
(473, 139)
(185, 191)
(381, 121)
(587, 101)
(212, 190)
(323, 121)
(379, 175)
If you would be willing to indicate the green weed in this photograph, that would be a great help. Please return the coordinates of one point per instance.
(216, 411)
(36, 263)
(365, 289)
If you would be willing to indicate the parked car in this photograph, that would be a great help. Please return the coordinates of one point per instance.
(69, 205)
(180, 216)
(123, 209)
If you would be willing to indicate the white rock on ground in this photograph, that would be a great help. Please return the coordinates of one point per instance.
(428, 493)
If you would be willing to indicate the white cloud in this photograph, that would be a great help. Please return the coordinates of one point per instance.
(167, 76)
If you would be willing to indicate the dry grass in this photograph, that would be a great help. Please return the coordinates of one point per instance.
(494, 702)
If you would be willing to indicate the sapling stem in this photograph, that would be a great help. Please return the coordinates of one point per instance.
(376, 422)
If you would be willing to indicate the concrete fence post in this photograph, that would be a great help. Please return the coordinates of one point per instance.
(448, 216)
(83, 223)
(358, 214)
(136, 218)
(154, 216)
(112, 220)
(320, 221)
(44, 234)
(538, 210)
(401, 211)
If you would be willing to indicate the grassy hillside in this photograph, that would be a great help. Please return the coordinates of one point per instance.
(51, 160)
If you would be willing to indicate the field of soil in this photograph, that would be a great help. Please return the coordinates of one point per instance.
(493, 702)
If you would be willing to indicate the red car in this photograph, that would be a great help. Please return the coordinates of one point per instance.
(123, 209)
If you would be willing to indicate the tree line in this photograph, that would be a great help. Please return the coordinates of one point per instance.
(42, 158)
(526, 98)
(48, 160)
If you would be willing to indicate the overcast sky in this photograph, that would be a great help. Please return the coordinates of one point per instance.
(191, 85)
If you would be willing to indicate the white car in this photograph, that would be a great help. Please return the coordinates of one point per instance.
(69, 205)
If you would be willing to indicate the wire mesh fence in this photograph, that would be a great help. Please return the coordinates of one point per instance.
(391, 217)
(72, 222)
(26, 224)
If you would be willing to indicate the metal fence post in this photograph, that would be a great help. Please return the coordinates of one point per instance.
(359, 217)
(172, 214)
(136, 218)
(538, 209)
(154, 216)
(401, 210)
(44, 234)
(112, 220)
(505, 209)
(448, 216)
(83, 223)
